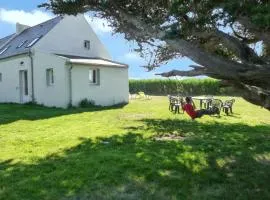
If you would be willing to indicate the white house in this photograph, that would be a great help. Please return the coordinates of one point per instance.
(59, 63)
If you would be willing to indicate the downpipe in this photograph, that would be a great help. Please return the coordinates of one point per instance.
(32, 75)
(70, 85)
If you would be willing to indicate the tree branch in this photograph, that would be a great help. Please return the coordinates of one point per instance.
(256, 95)
(240, 49)
(244, 39)
(243, 51)
(205, 59)
(196, 66)
(218, 67)
(195, 72)
(260, 34)
(224, 68)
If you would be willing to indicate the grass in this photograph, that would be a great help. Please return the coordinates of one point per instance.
(112, 153)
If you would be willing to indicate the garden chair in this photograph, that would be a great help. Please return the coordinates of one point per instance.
(216, 103)
(132, 96)
(171, 103)
(174, 103)
(227, 106)
(142, 95)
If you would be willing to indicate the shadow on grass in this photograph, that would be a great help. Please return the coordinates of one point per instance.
(216, 161)
(14, 112)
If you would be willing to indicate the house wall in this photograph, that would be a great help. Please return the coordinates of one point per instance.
(68, 36)
(58, 93)
(10, 85)
(113, 87)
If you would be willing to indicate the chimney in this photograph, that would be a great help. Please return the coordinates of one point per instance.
(20, 27)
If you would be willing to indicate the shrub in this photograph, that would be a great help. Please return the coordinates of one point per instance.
(85, 103)
(190, 86)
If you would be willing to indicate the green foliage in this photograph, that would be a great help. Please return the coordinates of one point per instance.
(185, 87)
(258, 11)
(115, 153)
(86, 103)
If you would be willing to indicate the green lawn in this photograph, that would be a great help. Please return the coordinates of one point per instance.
(123, 153)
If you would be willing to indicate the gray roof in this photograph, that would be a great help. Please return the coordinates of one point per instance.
(5, 39)
(27, 35)
(91, 58)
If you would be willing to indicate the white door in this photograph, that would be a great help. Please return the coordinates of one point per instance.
(24, 89)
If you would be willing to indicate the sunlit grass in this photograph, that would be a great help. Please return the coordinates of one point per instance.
(113, 153)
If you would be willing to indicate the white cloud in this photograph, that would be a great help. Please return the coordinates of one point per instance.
(99, 25)
(27, 18)
(35, 17)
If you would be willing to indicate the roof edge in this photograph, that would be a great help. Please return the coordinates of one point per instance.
(84, 57)
(10, 38)
(91, 62)
(7, 57)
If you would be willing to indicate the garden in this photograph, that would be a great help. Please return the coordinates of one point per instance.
(136, 151)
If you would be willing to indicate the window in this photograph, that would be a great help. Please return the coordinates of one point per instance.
(25, 77)
(87, 44)
(49, 77)
(3, 50)
(21, 44)
(94, 76)
(33, 42)
(0, 77)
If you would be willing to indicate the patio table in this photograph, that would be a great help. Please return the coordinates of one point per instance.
(202, 99)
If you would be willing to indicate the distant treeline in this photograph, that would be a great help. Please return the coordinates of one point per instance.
(190, 86)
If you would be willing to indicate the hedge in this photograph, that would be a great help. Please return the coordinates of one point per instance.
(186, 87)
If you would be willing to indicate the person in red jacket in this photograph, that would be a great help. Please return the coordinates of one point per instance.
(190, 107)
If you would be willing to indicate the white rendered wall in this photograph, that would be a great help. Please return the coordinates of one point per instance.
(58, 93)
(113, 87)
(68, 36)
(10, 85)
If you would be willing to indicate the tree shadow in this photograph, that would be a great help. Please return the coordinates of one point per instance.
(215, 161)
(13, 112)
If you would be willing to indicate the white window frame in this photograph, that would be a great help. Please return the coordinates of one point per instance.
(86, 44)
(34, 41)
(93, 76)
(3, 51)
(49, 76)
(21, 44)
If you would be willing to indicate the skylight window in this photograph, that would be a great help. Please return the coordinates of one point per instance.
(21, 44)
(33, 42)
(3, 50)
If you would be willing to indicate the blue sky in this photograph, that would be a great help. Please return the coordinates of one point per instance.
(26, 12)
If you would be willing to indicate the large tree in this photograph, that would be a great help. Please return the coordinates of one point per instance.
(219, 35)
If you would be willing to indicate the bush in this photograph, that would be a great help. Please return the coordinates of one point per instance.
(86, 103)
(185, 87)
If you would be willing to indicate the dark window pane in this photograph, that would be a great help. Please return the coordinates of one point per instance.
(25, 83)
(52, 78)
(94, 76)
